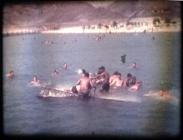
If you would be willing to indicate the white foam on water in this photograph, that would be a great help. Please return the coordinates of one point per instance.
(124, 95)
(62, 87)
(34, 85)
(79, 71)
(120, 98)
(117, 96)
(120, 95)
(40, 84)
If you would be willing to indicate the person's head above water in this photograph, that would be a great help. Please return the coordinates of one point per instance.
(11, 72)
(119, 74)
(134, 65)
(83, 71)
(35, 77)
(101, 69)
(129, 75)
(115, 73)
(86, 74)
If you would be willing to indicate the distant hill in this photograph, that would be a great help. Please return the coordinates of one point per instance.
(84, 12)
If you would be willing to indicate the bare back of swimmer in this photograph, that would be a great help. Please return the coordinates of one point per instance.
(84, 84)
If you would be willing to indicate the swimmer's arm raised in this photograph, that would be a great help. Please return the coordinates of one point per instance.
(78, 82)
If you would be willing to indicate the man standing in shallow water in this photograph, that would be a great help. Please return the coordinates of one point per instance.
(83, 85)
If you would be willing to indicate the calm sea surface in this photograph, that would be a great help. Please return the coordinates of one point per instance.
(158, 62)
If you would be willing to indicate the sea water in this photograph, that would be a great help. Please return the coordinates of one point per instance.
(122, 113)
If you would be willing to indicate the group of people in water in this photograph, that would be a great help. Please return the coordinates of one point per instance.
(105, 82)
(100, 80)
(88, 81)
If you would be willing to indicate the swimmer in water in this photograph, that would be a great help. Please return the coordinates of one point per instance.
(119, 81)
(161, 95)
(133, 65)
(103, 79)
(136, 86)
(166, 95)
(35, 81)
(112, 77)
(47, 42)
(115, 80)
(65, 66)
(10, 74)
(129, 81)
(98, 38)
(55, 72)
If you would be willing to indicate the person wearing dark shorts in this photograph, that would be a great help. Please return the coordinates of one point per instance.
(85, 95)
(74, 90)
(105, 87)
(84, 85)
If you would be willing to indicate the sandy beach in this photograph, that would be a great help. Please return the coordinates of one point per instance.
(78, 29)
(136, 25)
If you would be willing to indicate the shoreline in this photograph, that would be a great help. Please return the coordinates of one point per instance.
(79, 29)
(155, 30)
(135, 25)
(103, 31)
